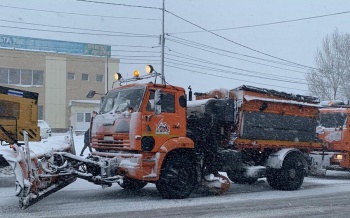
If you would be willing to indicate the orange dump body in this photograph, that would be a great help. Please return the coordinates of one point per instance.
(268, 119)
(274, 120)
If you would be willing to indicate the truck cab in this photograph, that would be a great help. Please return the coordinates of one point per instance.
(334, 130)
(142, 121)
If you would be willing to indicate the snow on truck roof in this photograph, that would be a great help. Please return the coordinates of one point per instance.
(197, 103)
(271, 92)
(252, 98)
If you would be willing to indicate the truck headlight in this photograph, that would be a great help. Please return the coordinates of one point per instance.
(147, 143)
(339, 156)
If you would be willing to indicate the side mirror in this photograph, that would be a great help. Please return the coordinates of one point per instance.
(158, 97)
(91, 94)
(101, 101)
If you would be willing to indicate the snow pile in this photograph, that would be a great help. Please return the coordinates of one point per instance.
(39, 149)
(6, 172)
(57, 142)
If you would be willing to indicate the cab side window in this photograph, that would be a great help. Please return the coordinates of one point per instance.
(168, 103)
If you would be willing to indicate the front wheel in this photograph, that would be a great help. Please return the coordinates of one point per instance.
(132, 184)
(290, 176)
(177, 178)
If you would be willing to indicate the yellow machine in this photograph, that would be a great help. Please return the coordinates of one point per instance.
(30, 163)
(18, 112)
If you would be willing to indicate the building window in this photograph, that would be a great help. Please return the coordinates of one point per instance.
(71, 76)
(83, 117)
(26, 77)
(14, 76)
(99, 77)
(85, 77)
(80, 117)
(38, 77)
(40, 112)
(87, 117)
(21, 77)
(4, 75)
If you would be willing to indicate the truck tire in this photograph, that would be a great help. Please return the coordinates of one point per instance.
(239, 178)
(290, 176)
(177, 178)
(132, 184)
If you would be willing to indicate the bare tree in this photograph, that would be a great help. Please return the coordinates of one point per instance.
(345, 87)
(329, 79)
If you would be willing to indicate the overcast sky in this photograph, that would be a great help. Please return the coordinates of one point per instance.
(209, 44)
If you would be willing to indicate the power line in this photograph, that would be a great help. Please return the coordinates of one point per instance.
(117, 4)
(80, 14)
(236, 43)
(79, 33)
(225, 77)
(100, 59)
(226, 66)
(116, 50)
(231, 52)
(76, 28)
(271, 23)
(241, 59)
(231, 72)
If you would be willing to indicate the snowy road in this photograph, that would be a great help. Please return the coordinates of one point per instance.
(321, 197)
(318, 197)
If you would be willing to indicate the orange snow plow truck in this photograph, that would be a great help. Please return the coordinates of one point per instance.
(334, 130)
(150, 133)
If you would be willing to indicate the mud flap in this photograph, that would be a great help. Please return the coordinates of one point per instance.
(217, 184)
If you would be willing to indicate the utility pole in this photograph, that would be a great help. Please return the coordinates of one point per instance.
(107, 73)
(162, 45)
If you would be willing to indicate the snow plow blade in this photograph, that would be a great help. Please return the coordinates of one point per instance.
(32, 198)
(33, 171)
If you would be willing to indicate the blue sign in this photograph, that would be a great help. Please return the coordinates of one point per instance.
(56, 46)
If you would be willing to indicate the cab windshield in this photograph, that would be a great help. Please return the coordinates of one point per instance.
(332, 120)
(120, 100)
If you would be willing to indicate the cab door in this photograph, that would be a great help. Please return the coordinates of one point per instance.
(164, 120)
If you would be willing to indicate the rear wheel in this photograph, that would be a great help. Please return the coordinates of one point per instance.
(177, 178)
(132, 184)
(290, 176)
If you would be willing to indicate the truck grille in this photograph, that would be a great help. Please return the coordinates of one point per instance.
(115, 142)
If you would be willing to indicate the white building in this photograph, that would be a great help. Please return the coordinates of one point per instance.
(61, 72)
